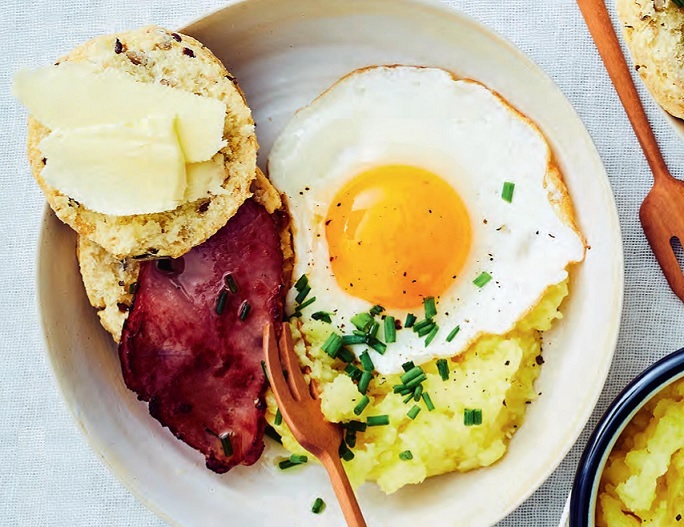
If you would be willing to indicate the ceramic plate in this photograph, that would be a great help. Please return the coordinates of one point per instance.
(284, 54)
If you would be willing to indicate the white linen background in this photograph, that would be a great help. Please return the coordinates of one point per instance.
(48, 474)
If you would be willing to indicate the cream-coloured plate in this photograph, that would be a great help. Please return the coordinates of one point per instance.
(284, 53)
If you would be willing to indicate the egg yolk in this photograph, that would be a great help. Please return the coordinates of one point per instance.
(397, 234)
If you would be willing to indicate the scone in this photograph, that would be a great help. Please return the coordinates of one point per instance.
(156, 55)
(653, 31)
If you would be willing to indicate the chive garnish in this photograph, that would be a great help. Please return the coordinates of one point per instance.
(472, 417)
(292, 461)
(366, 362)
(226, 444)
(426, 322)
(263, 367)
(411, 374)
(408, 365)
(301, 283)
(408, 398)
(482, 280)
(413, 412)
(377, 420)
(345, 355)
(353, 372)
(378, 346)
(376, 310)
(318, 506)
(390, 330)
(453, 333)
(365, 380)
(418, 392)
(270, 432)
(410, 320)
(245, 308)
(431, 335)
(132, 288)
(416, 381)
(373, 331)
(678, 3)
(429, 306)
(361, 405)
(359, 333)
(401, 389)
(428, 402)
(362, 321)
(278, 418)
(443, 369)
(230, 283)
(507, 191)
(357, 426)
(348, 340)
(323, 316)
(305, 304)
(350, 438)
(406, 455)
(344, 452)
(221, 301)
(332, 345)
(301, 295)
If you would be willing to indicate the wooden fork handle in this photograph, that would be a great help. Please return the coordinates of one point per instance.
(343, 489)
(601, 29)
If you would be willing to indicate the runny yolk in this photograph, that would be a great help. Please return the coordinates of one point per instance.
(397, 234)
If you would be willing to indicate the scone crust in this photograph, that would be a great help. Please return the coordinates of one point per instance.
(156, 55)
(654, 37)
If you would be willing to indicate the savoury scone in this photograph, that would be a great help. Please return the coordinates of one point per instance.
(653, 32)
(110, 282)
(156, 55)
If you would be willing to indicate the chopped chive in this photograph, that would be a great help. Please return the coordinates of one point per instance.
(345, 355)
(278, 418)
(270, 432)
(350, 437)
(401, 389)
(298, 459)
(301, 283)
(132, 288)
(302, 294)
(344, 452)
(366, 361)
(353, 372)
(414, 411)
(373, 331)
(318, 506)
(443, 369)
(292, 461)
(362, 321)
(482, 280)
(359, 333)
(416, 381)
(429, 306)
(428, 402)
(365, 380)
(378, 346)
(245, 308)
(472, 417)
(431, 335)
(376, 310)
(426, 330)
(361, 405)
(408, 398)
(221, 301)
(263, 367)
(285, 464)
(332, 345)
(406, 455)
(413, 372)
(348, 340)
(422, 324)
(453, 333)
(410, 320)
(322, 315)
(230, 283)
(296, 314)
(357, 426)
(678, 3)
(226, 444)
(418, 392)
(408, 365)
(377, 420)
(507, 191)
(390, 330)
(306, 304)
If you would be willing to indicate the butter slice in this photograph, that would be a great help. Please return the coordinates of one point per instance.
(74, 95)
(205, 179)
(118, 169)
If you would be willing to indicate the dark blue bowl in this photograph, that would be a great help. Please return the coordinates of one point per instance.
(608, 430)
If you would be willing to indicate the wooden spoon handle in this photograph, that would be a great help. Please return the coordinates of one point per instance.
(601, 29)
(343, 490)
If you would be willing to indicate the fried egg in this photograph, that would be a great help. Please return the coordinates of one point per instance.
(404, 184)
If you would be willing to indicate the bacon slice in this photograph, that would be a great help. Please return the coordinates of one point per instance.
(201, 371)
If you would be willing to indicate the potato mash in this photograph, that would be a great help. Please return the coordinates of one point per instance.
(643, 482)
(495, 376)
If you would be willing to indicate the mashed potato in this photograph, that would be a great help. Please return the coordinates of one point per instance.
(496, 374)
(643, 482)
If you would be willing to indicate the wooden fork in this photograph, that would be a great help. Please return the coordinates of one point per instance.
(302, 413)
(662, 212)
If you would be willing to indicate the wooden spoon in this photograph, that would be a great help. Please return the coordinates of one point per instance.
(662, 212)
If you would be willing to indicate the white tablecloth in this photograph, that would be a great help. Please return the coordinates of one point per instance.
(49, 476)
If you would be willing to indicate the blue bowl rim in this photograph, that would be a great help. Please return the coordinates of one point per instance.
(620, 412)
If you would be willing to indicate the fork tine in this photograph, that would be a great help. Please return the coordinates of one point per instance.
(281, 390)
(295, 378)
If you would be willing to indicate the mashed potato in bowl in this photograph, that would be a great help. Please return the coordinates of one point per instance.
(495, 374)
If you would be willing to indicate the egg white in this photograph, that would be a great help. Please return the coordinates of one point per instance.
(469, 136)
